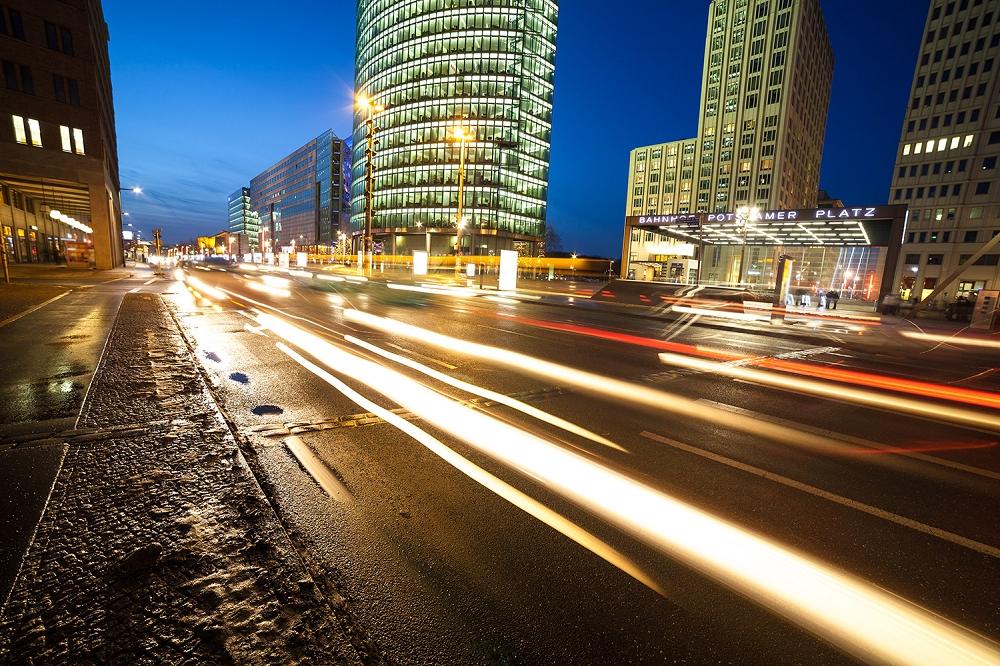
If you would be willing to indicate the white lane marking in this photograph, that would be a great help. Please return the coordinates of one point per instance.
(944, 535)
(149, 281)
(850, 439)
(504, 330)
(315, 467)
(133, 290)
(11, 320)
(423, 356)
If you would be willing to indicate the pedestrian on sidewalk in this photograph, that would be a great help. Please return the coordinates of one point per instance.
(832, 297)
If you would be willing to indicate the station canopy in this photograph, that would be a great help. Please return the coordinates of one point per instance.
(858, 226)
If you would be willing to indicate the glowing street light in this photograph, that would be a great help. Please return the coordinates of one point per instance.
(462, 135)
(365, 104)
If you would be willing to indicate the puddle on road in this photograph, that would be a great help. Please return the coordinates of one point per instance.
(239, 377)
(212, 356)
(264, 410)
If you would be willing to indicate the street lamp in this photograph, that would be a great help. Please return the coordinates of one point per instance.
(462, 135)
(370, 108)
(745, 215)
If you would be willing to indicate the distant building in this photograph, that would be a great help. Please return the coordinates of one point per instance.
(58, 151)
(825, 200)
(303, 200)
(765, 95)
(946, 165)
(487, 67)
(243, 220)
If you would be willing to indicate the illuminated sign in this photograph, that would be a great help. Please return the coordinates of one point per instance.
(858, 226)
(419, 262)
(508, 270)
(798, 215)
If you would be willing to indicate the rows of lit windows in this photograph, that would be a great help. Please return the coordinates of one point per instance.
(437, 23)
(938, 145)
(479, 43)
(434, 64)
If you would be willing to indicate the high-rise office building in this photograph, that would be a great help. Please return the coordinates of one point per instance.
(764, 98)
(242, 219)
(487, 66)
(946, 167)
(58, 151)
(304, 200)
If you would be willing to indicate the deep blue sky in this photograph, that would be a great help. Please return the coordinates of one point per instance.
(208, 94)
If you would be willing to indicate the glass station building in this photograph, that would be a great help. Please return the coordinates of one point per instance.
(487, 65)
(850, 250)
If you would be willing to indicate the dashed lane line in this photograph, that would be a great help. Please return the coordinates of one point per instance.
(315, 467)
(936, 532)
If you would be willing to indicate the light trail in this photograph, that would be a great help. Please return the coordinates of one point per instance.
(207, 291)
(719, 314)
(438, 291)
(500, 398)
(953, 339)
(268, 289)
(519, 499)
(845, 393)
(633, 395)
(867, 379)
(856, 616)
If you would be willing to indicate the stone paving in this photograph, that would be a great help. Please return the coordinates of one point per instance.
(157, 544)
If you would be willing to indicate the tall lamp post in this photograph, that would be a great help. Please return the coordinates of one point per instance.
(370, 109)
(744, 215)
(462, 135)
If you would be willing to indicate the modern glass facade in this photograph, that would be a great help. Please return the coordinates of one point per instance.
(434, 65)
(304, 199)
(242, 220)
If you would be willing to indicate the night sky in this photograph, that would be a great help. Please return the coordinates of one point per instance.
(208, 94)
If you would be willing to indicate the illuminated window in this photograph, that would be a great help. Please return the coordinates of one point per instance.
(78, 140)
(19, 134)
(906, 149)
(942, 144)
(954, 142)
(36, 132)
(64, 135)
(930, 146)
(745, 166)
(968, 141)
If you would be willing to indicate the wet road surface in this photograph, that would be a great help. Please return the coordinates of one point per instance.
(475, 552)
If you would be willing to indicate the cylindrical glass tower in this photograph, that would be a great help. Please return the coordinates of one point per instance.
(487, 66)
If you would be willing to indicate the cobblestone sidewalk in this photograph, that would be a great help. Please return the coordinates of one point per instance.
(157, 544)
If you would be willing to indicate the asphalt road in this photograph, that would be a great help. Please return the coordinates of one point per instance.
(508, 537)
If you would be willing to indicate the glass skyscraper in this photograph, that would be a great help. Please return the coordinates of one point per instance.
(485, 65)
(304, 199)
(242, 220)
